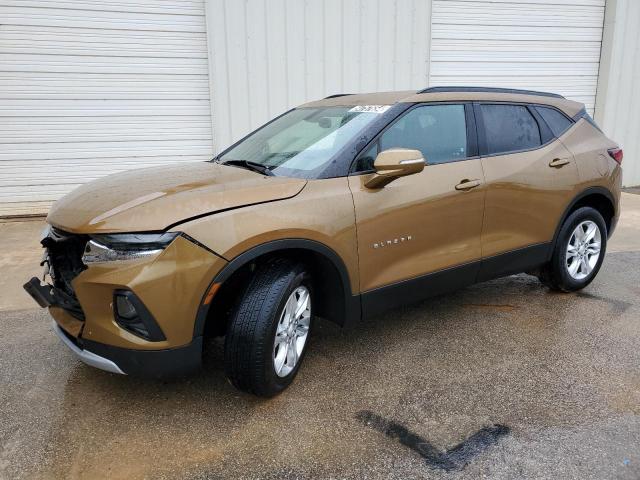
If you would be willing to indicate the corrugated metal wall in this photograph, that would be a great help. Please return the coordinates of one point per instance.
(618, 103)
(544, 45)
(270, 55)
(90, 87)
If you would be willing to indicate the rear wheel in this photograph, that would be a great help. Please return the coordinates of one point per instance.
(578, 253)
(269, 330)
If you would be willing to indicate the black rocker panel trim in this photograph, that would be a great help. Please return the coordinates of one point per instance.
(416, 289)
(379, 300)
(514, 261)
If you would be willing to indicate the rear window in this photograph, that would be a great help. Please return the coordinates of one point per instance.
(557, 122)
(509, 128)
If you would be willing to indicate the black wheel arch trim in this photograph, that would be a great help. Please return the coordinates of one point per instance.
(352, 302)
(585, 193)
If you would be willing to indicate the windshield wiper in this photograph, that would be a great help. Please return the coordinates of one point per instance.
(256, 167)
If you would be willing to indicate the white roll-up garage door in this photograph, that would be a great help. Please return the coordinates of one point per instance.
(547, 45)
(91, 87)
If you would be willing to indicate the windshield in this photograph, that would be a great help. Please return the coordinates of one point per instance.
(302, 142)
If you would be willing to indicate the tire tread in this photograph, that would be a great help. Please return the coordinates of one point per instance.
(249, 330)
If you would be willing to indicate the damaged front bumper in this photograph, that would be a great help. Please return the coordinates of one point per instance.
(170, 284)
(86, 356)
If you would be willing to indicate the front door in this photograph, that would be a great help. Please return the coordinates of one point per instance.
(412, 232)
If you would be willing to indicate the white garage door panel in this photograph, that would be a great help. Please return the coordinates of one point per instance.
(531, 44)
(530, 69)
(537, 51)
(92, 150)
(82, 86)
(32, 189)
(65, 108)
(549, 83)
(89, 150)
(522, 32)
(595, 3)
(57, 17)
(82, 173)
(104, 129)
(28, 207)
(87, 41)
(72, 168)
(184, 7)
(88, 64)
(518, 13)
(89, 88)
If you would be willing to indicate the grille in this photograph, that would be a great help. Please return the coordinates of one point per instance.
(64, 256)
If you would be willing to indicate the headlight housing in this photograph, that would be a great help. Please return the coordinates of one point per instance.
(125, 246)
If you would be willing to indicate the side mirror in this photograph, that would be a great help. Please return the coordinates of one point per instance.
(394, 163)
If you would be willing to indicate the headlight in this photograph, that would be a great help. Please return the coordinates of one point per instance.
(125, 246)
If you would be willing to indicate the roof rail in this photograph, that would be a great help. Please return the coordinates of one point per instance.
(489, 90)
(336, 95)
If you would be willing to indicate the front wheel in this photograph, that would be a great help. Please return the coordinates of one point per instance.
(578, 253)
(269, 330)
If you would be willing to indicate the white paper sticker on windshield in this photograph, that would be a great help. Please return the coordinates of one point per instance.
(370, 108)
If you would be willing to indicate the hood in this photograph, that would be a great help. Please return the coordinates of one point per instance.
(155, 198)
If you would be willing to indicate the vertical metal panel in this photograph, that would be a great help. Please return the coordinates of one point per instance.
(271, 55)
(534, 44)
(618, 101)
(91, 87)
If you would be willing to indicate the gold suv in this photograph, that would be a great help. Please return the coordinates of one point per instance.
(340, 208)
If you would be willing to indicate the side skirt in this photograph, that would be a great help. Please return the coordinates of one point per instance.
(413, 290)
(406, 292)
(515, 261)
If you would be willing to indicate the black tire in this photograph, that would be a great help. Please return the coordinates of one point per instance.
(249, 342)
(555, 274)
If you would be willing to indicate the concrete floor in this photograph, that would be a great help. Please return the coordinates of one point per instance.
(501, 380)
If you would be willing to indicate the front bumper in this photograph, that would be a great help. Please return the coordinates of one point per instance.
(171, 285)
(167, 363)
(86, 356)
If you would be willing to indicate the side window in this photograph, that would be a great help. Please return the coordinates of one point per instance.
(509, 128)
(438, 131)
(557, 122)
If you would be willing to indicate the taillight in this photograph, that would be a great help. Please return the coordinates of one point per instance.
(616, 154)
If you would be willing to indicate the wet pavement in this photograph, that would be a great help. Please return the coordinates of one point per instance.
(500, 380)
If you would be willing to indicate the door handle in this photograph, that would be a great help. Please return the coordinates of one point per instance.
(467, 184)
(558, 162)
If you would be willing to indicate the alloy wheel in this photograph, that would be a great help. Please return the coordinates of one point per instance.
(583, 250)
(292, 331)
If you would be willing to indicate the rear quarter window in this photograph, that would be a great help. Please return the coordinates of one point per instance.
(509, 128)
(558, 122)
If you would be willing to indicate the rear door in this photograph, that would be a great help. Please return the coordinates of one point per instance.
(423, 223)
(530, 178)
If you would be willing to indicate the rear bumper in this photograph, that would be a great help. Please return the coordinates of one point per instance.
(167, 363)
